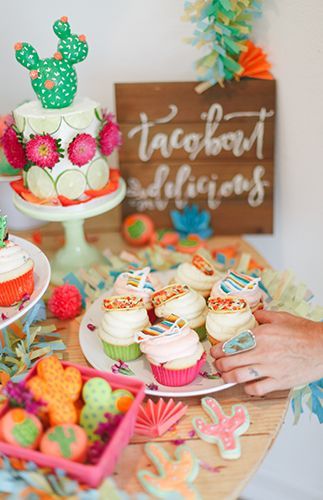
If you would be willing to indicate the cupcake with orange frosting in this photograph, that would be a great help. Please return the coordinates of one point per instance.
(199, 274)
(124, 317)
(16, 269)
(184, 302)
(141, 283)
(240, 285)
(173, 350)
(227, 317)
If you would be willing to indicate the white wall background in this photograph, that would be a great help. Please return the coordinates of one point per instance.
(141, 40)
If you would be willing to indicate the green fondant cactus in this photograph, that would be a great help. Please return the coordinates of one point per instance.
(3, 230)
(25, 433)
(64, 438)
(54, 79)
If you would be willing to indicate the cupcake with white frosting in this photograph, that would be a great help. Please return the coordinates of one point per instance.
(227, 317)
(140, 283)
(199, 274)
(123, 318)
(184, 302)
(240, 285)
(16, 270)
(173, 350)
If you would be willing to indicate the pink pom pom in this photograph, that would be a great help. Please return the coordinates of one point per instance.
(65, 302)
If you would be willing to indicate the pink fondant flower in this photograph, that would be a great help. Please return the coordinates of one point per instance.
(110, 135)
(13, 149)
(82, 149)
(43, 150)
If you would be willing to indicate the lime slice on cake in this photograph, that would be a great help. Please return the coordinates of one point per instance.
(98, 174)
(71, 184)
(80, 121)
(40, 183)
(48, 125)
(19, 122)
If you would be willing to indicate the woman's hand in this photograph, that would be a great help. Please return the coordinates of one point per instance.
(289, 353)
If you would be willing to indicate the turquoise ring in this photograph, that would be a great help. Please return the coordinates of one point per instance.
(244, 341)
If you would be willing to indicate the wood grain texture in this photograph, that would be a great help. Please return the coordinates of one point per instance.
(180, 147)
(266, 413)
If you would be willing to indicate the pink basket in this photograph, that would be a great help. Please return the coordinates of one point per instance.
(90, 474)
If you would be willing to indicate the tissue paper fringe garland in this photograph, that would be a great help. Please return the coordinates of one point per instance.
(223, 29)
(26, 480)
(23, 343)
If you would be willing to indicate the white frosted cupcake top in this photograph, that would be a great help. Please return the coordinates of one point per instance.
(199, 274)
(119, 327)
(14, 260)
(191, 306)
(228, 317)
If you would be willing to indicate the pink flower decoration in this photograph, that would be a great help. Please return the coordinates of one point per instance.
(110, 135)
(82, 149)
(42, 150)
(65, 302)
(13, 149)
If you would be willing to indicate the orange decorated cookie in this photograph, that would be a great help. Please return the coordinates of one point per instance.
(21, 428)
(65, 441)
(58, 387)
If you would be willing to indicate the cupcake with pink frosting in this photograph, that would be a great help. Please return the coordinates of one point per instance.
(241, 286)
(173, 350)
(142, 284)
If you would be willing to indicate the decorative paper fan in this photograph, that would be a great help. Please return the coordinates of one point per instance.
(154, 419)
(254, 63)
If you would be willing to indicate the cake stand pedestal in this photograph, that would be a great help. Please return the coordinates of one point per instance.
(76, 253)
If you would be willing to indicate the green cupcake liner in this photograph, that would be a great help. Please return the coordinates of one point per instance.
(201, 331)
(123, 352)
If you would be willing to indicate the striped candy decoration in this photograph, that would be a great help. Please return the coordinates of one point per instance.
(235, 282)
(138, 278)
(172, 325)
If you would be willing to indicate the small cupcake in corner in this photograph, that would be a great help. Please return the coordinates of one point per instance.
(124, 317)
(199, 274)
(227, 317)
(16, 269)
(184, 302)
(140, 283)
(242, 286)
(173, 350)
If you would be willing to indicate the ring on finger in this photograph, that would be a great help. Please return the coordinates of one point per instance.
(244, 341)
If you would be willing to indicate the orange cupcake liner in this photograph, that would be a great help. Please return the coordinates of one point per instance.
(13, 291)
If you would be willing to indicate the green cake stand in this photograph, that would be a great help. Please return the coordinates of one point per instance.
(76, 253)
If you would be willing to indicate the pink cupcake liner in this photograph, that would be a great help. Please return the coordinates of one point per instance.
(176, 378)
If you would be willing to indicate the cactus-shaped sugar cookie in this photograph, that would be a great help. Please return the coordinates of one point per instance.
(54, 79)
(64, 438)
(97, 397)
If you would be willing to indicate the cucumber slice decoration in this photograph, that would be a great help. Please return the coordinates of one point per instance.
(47, 125)
(80, 121)
(71, 184)
(98, 174)
(19, 122)
(40, 183)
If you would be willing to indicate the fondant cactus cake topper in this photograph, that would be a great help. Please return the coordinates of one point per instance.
(54, 79)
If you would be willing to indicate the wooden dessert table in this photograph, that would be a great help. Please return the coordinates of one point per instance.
(266, 414)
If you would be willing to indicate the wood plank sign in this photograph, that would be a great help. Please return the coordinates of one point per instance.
(215, 150)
